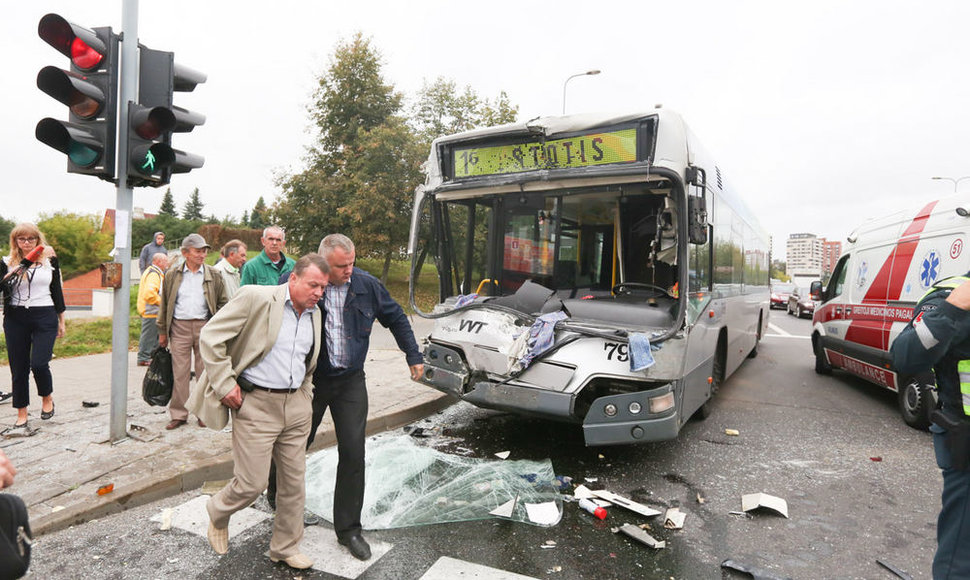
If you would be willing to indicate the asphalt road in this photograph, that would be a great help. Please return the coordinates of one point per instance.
(860, 486)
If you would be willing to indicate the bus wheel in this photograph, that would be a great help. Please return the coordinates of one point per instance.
(916, 400)
(822, 366)
(717, 376)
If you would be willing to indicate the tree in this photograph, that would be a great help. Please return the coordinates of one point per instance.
(168, 204)
(258, 217)
(6, 226)
(361, 174)
(441, 110)
(192, 210)
(78, 240)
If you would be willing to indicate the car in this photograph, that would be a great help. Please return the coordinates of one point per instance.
(801, 302)
(779, 294)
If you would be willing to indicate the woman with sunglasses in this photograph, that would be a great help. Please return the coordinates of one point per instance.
(33, 316)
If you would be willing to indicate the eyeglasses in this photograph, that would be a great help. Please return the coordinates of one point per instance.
(25, 240)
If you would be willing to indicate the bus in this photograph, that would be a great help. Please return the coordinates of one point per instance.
(593, 269)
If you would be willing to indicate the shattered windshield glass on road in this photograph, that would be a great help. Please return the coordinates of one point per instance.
(411, 485)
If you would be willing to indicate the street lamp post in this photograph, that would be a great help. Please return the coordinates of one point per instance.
(589, 72)
(954, 181)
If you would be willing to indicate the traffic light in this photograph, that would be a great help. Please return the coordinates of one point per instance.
(89, 89)
(153, 119)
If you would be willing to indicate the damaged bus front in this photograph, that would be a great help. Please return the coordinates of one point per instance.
(589, 269)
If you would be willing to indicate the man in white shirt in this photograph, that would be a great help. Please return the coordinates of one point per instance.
(233, 258)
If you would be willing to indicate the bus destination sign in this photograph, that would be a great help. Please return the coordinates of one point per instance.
(586, 150)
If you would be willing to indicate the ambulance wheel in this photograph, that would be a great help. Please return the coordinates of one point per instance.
(916, 400)
(822, 366)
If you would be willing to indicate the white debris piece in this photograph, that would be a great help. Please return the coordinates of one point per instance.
(626, 503)
(642, 536)
(674, 519)
(753, 501)
(503, 454)
(505, 510)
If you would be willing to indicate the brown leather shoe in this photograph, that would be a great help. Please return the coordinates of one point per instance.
(300, 561)
(175, 424)
(219, 538)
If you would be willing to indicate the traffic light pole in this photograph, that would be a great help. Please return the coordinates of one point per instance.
(123, 210)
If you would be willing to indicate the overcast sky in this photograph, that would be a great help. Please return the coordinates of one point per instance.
(823, 113)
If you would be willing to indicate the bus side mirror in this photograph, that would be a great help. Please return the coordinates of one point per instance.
(816, 290)
(697, 220)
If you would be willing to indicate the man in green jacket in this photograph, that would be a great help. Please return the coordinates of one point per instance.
(271, 264)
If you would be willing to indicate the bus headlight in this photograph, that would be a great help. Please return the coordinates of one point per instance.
(610, 410)
(662, 403)
(635, 408)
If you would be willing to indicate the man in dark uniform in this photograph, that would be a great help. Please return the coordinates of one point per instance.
(938, 337)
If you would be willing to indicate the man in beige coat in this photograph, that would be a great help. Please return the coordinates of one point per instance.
(260, 351)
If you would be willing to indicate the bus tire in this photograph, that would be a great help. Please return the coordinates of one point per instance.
(717, 377)
(757, 339)
(822, 366)
(916, 399)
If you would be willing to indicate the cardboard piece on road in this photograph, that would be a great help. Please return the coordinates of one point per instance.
(754, 501)
(626, 503)
(674, 519)
(642, 536)
(544, 514)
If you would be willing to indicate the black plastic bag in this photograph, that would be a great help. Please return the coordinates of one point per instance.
(15, 538)
(156, 388)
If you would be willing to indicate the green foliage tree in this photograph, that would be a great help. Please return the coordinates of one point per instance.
(441, 110)
(361, 173)
(6, 226)
(168, 204)
(77, 239)
(193, 207)
(259, 218)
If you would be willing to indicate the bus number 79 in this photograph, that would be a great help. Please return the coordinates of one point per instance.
(618, 349)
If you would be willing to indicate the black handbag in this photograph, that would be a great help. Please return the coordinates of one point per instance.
(156, 387)
(15, 537)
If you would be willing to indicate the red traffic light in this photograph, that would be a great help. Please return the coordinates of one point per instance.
(81, 45)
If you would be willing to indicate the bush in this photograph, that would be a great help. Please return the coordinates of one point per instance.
(77, 239)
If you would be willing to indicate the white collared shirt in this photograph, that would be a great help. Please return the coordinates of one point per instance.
(284, 367)
(190, 298)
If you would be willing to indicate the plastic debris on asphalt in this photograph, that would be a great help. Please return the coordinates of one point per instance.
(641, 536)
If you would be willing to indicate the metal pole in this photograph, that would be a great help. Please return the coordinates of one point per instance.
(128, 82)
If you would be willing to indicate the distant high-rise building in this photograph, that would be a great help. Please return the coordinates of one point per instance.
(831, 251)
(803, 255)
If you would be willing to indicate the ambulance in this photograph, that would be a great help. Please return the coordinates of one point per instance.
(888, 265)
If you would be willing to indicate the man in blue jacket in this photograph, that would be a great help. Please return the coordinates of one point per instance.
(338, 382)
(938, 337)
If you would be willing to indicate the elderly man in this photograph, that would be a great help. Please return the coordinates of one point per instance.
(260, 352)
(271, 264)
(233, 258)
(352, 302)
(192, 293)
(156, 246)
(149, 299)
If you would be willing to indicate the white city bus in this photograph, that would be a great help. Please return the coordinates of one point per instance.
(607, 229)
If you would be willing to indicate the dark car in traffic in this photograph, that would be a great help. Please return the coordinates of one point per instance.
(801, 303)
(779, 294)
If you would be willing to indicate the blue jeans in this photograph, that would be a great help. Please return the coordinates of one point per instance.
(30, 334)
(952, 560)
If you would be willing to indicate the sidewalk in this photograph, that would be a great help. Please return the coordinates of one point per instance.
(61, 467)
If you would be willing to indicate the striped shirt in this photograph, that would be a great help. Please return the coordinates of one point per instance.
(334, 298)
